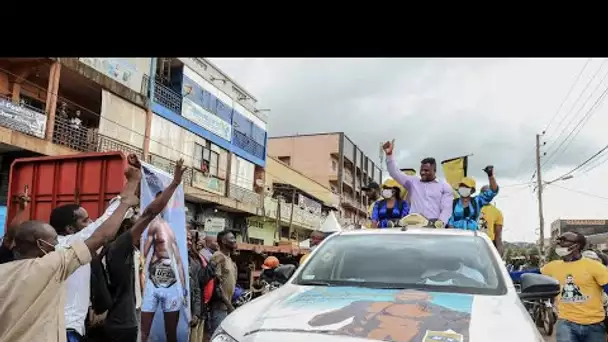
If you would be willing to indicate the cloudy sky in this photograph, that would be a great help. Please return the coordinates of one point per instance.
(444, 108)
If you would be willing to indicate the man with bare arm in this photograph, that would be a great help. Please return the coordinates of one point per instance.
(162, 287)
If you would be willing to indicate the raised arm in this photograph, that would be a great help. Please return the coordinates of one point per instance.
(393, 170)
(487, 196)
(130, 188)
(157, 205)
(110, 226)
(20, 217)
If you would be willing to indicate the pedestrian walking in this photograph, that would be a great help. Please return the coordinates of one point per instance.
(195, 269)
(581, 313)
(226, 272)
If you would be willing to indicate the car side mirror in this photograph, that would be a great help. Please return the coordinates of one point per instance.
(538, 286)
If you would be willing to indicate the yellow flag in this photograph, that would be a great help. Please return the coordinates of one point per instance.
(455, 170)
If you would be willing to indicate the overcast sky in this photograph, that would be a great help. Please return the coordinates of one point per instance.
(444, 108)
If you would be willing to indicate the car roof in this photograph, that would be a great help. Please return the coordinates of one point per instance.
(419, 231)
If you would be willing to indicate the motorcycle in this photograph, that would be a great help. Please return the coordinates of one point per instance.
(241, 297)
(541, 310)
(267, 283)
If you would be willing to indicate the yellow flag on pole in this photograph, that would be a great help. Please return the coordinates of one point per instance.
(455, 170)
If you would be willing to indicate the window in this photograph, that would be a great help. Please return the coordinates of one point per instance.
(285, 160)
(334, 165)
(418, 261)
(205, 159)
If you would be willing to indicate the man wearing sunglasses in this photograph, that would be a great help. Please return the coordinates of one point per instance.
(581, 313)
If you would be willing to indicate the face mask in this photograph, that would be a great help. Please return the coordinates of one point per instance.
(464, 191)
(562, 251)
(387, 193)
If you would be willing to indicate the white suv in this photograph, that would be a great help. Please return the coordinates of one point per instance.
(395, 285)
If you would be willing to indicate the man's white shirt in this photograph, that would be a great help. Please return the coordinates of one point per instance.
(78, 285)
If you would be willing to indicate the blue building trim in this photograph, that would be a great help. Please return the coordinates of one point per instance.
(190, 126)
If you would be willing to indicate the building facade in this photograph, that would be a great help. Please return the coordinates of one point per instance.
(335, 161)
(162, 109)
(294, 206)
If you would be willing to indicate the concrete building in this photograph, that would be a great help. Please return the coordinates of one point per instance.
(294, 206)
(190, 110)
(596, 231)
(333, 160)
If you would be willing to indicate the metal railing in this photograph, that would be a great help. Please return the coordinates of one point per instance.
(301, 217)
(71, 133)
(243, 195)
(167, 97)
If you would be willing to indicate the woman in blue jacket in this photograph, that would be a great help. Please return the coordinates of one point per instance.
(392, 207)
(467, 208)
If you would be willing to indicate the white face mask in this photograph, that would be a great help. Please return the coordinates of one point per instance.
(387, 193)
(562, 251)
(464, 191)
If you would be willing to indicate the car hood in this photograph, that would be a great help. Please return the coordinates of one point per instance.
(301, 313)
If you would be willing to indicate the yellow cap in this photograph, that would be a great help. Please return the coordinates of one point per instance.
(391, 183)
(468, 182)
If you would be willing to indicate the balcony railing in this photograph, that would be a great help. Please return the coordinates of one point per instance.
(301, 217)
(71, 133)
(167, 97)
(243, 195)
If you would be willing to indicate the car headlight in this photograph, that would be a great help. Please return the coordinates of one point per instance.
(221, 336)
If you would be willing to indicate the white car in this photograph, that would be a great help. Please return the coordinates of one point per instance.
(395, 285)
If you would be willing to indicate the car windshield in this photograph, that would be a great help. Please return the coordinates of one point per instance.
(448, 263)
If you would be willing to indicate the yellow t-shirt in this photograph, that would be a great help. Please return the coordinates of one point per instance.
(582, 281)
(489, 218)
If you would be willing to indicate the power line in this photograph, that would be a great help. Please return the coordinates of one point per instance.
(568, 94)
(584, 120)
(581, 192)
(576, 101)
(598, 163)
(582, 164)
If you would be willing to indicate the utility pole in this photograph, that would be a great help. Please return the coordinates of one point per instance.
(539, 181)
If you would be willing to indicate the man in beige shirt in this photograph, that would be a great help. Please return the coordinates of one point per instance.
(226, 272)
(32, 286)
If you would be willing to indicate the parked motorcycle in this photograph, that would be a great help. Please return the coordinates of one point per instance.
(541, 310)
(270, 280)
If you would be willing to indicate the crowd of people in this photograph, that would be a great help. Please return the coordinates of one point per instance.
(77, 279)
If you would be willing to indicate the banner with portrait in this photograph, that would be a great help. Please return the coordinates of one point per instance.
(165, 254)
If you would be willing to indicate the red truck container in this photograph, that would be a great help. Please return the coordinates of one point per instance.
(89, 179)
